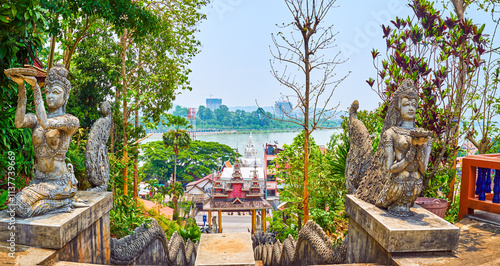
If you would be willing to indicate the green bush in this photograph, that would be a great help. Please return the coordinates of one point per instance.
(191, 231)
(281, 228)
(125, 216)
(438, 186)
(452, 213)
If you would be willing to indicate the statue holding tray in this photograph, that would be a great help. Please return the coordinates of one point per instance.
(53, 187)
(394, 178)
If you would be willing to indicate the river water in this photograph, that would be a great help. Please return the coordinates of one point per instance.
(240, 141)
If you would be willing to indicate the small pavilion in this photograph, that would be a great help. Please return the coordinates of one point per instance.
(237, 195)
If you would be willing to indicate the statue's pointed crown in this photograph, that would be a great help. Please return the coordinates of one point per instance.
(58, 75)
(407, 89)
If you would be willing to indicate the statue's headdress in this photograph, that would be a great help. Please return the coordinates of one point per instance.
(58, 76)
(406, 89)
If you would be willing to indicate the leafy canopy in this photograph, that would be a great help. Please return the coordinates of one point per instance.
(197, 161)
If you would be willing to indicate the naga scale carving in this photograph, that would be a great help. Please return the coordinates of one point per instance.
(128, 250)
(312, 247)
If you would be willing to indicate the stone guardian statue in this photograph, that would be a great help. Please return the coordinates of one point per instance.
(53, 187)
(394, 178)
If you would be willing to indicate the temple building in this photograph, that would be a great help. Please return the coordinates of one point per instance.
(249, 158)
(238, 194)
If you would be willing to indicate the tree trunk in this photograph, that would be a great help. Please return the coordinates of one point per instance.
(299, 222)
(136, 155)
(174, 199)
(306, 129)
(459, 10)
(306, 176)
(51, 52)
(112, 137)
(125, 118)
(175, 168)
(484, 144)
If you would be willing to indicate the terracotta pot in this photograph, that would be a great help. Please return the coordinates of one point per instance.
(436, 206)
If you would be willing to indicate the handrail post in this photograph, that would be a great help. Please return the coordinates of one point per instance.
(496, 187)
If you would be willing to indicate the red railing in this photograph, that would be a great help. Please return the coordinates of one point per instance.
(477, 194)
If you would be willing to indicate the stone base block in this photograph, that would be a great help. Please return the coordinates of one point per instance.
(78, 236)
(375, 235)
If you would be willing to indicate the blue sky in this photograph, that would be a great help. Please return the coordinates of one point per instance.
(234, 59)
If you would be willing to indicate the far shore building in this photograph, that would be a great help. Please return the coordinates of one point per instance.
(282, 108)
(213, 103)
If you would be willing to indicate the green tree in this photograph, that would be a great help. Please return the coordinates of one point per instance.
(95, 72)
(70, 21)
(154, 66)
(199, 160)
(176, 191)
(177, 138)
(180, 111)
(22, 29)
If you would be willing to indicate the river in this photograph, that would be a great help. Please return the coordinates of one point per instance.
(240, 141)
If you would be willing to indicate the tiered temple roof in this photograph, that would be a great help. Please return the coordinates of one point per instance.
(237, 194)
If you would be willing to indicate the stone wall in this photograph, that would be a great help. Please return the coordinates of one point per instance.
(92, 245)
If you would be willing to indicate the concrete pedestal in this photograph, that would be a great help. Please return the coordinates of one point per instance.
(78, 236)
(375, 236)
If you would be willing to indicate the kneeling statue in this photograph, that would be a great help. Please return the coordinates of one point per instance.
(394, 178)
(53, 187)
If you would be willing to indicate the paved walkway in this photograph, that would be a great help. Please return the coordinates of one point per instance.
(225, 249)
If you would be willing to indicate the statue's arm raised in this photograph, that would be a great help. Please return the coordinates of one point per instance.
(66, 123)
(22, 119)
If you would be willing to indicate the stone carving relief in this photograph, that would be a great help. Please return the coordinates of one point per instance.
(360, 151)
(96, 156)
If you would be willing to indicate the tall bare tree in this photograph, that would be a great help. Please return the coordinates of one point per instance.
(302, 53)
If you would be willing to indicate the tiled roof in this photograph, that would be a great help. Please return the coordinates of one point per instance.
(194, 183)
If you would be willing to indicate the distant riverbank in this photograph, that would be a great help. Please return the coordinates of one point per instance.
(247, 131)
(239, 139)
(159, 135)
(222, 132)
